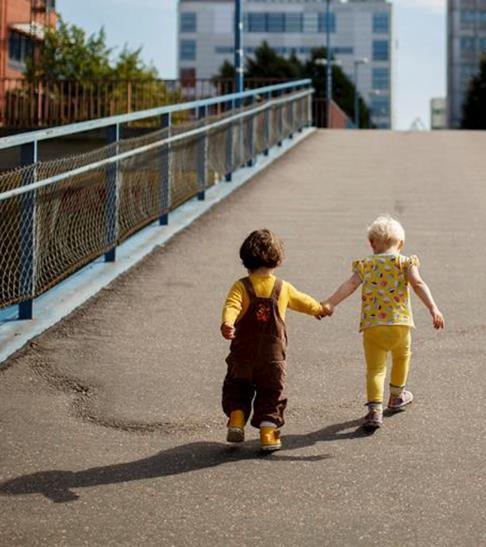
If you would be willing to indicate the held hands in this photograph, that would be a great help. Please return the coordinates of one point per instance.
(327, 310)
(437, 318)
(228, 331)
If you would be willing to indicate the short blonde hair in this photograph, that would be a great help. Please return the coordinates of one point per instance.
(386, 229)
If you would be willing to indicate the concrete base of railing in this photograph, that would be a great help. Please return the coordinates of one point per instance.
(64, 298)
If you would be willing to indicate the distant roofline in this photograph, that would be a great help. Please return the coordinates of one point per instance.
(276, 2)
(289, 1)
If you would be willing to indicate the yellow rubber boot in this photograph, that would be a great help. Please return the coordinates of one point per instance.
(270, 438)
(236, 427)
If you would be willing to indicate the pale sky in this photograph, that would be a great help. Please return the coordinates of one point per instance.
(420, 33)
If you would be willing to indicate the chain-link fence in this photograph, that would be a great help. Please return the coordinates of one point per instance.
(57, 216)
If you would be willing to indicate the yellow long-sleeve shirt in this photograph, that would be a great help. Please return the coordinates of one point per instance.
(237, 301)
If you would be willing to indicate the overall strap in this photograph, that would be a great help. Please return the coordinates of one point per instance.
(249, 287)
(277, 289)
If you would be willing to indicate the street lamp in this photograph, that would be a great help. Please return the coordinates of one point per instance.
(329, 63)
(357, 62)
(321, 61)
(239, 75)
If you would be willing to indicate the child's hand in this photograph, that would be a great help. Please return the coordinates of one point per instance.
(327, 309)
(437, 318)
(228, 331)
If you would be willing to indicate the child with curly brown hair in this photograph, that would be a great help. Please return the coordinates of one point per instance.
(254, 320)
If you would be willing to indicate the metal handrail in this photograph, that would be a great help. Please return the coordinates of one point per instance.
(158, 144)
(249, 128)
(55, 132)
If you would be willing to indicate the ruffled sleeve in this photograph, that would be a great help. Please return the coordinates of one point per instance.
(358, 267)
(412, 261)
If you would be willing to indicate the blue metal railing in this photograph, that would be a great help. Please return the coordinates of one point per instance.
(266, 116)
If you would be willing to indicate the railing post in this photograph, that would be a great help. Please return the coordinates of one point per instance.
(310, 103)
(291, 114)
(250, 128)
(202, 157)
(300, 113)
(280, 119)
(112, 201)
(230, 106)
(28, 156)
(166, 123)
(267, 125)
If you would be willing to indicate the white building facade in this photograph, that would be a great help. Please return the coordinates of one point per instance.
(438, 113)
(360, 29)
(466, 44)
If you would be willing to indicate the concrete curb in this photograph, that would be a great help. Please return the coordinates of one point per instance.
(65, 297)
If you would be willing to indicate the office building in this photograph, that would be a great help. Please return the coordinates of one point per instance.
(360, 29)
(438, 113)
(466, 44)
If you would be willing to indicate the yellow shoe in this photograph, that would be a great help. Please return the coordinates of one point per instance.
(270, 438)
(236, 427)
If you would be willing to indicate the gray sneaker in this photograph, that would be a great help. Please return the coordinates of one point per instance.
(397, 402)
(374, 419)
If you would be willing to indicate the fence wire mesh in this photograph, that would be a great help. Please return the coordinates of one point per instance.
(49, 232)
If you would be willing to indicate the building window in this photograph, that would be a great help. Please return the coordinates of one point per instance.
(293, 22)
(380, 107)
(310, 23)
(20, 48)
(324, 25)
(381, 23)
(468, 71)
(468, 43)
(224, 50)
(469, 16)
(381, 78)
(380, 50)
(188, 50)
(275, 22)
(257, 22)
(188, 22)
(343, 50)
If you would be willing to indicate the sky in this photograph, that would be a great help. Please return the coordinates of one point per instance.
(419, 27)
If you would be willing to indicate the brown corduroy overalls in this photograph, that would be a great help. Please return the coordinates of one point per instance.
(256, 363)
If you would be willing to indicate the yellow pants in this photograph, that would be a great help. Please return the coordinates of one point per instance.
(378, 342)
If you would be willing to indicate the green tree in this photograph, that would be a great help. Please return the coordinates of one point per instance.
(226, 72)
(343, 89)
(266, 63)
(68, 53)
(129, 65)
(104, 82)
(474, 108)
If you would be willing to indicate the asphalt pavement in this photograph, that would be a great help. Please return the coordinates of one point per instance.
(111, 429)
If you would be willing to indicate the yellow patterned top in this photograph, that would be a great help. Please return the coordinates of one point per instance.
(385, 290)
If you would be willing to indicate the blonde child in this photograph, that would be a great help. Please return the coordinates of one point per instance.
(386, 314)
(254, 320)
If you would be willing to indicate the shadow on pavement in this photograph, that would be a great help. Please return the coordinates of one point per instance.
(57, 485)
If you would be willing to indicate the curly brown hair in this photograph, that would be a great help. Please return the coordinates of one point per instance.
(262, 249)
